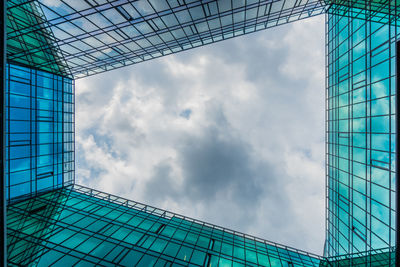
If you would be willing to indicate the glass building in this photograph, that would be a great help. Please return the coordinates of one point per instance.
(47, 219)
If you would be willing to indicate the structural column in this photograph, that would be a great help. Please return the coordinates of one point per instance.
(397, 153)
(3, 45)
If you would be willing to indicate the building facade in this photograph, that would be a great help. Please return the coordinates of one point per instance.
(39, 132)
(53, 221)
(361, 131)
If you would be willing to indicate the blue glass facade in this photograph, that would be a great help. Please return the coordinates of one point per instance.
(39, 132)
(54, 222)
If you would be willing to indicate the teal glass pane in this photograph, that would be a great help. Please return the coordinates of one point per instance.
(29, 42)
(360, 133)
(74, 225)
(55, 226)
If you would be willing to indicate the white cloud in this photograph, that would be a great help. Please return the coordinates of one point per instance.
(249, 157)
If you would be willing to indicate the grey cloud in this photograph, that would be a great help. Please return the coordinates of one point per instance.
(162, 185)
(212, 164)
(101, 90)
(216, 162)
(220, 171)
(234, 169)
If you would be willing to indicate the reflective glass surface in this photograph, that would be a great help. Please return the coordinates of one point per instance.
(53, 222)
(29, 40)
(379, 257)
(79, 225)
(360, 133)
(97, 36)
(39, 131)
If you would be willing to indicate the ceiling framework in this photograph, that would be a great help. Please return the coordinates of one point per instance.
(374, 10)
(94, 36)
(30, 41)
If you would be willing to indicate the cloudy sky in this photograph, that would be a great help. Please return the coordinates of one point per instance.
(231, 133)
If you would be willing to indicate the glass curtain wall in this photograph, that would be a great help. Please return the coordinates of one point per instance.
(39, 131)
(360, 132)
(78, 225)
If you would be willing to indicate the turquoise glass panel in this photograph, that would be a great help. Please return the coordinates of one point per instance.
(360, 134)
(116, 231)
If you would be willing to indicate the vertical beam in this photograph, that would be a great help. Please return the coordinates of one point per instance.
(3, 46)
(397, 153)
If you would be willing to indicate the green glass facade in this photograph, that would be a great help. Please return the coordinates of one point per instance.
(53, 221)
(29, 41)
(379, 257)
(361, 132)
(79, 225)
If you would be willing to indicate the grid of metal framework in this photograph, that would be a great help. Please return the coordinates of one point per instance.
(360, 132)
(378, 11)
(39, 131)
(79, 225)
(96, 36)
(80, 38)
(29, 41)
(379, 257)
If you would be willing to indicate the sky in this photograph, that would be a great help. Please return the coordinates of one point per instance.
(230, 133)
